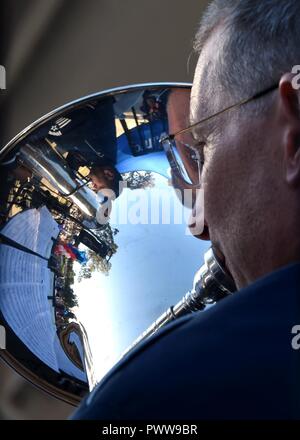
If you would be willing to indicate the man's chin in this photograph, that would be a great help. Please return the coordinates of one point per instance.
(221, 259)
(106, 192)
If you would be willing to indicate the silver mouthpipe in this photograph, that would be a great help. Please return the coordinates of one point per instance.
(46, 164)
(211, 283)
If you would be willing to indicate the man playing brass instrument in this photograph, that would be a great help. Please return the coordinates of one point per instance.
(236, 360)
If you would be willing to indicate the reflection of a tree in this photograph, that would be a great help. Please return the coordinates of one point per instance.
(139, 179)
(69, 297)
(96, 262)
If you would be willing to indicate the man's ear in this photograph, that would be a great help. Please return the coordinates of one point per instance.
(293, 163)
(109, 174)
(290, 109)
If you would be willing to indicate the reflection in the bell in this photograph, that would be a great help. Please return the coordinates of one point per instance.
(28, 300)
(90, 259)
(147, 274)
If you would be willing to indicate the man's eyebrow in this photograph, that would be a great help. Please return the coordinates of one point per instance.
(192, 110)
(195, 105)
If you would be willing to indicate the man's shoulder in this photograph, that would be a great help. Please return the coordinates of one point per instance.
(240, 347)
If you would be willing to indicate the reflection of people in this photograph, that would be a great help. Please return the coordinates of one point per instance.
(10, 172)
(153, 106)
(86, 135)
(239, 359)
(106, 178)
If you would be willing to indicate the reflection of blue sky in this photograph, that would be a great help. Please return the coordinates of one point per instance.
(153, 268)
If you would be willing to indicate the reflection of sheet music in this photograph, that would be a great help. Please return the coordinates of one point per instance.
(25, 284)
(33, 229)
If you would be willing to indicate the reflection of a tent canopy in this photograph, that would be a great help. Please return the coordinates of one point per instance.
(25, 283)
(156, 161)
(151, 158)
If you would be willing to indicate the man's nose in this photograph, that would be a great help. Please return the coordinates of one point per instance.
(204, 235)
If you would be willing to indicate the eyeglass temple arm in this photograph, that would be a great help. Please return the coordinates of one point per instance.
(244, 101)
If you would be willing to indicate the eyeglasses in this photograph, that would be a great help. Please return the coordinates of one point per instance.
(184, 157)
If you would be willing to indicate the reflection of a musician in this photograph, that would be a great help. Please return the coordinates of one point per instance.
(87, 137)
(106, 178)
(153, 107)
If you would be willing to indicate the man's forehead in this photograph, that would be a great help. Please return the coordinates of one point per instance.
(197, 97)
(203, 96)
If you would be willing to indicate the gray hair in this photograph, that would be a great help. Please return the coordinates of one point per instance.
(260, 41)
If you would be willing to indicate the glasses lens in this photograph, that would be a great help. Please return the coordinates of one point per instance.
(184, 160)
